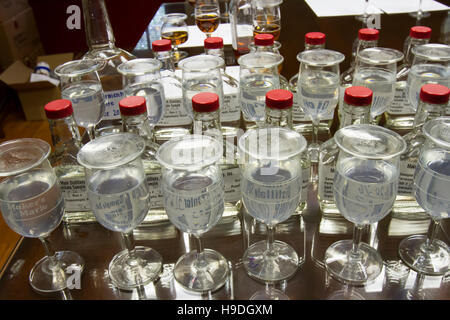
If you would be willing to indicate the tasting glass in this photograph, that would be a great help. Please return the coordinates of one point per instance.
(426, 254)
(376, 69)
(271, 183)
(267, 17)
(207, 16)
(318, 88)
(430, 64)
(119, 197)
(80, 83)
(175, 29)
(201, 73)
(364, 188)
(192, 185)
(142, 77)
(32, 205)
(258, 74)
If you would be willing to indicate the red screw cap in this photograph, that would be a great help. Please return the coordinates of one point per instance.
(315, 38)
(213, 43)
(434, 93)
(279, 99)
(58, 109)
(161, 45)
(368, 34)
(264, 39)
(358, 96)
(132, 106)
(205, 102)
(420, 32)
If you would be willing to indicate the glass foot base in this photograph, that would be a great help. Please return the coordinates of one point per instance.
(128, 272)
(357, 270)
(270, 294)
(282, 264)
(209, 275)
(45, 278)
(433, 260)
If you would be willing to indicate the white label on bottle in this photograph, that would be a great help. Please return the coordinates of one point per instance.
(232, 184)
(154, 188)
(299, 116)
(306, 172)
(74, 194)
(231, 110)
(406, 178)
(174, 114)
(400, 105)
(326, 178)
(112, 99)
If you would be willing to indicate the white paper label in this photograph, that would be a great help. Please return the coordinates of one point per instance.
(231, 110)
(232, 184)
(306, 172)
(74, 194)
(174, 114)
(154, 188)
(400, 105)
(299, 116)
(112, 99)
(326, 178)
(406, 178)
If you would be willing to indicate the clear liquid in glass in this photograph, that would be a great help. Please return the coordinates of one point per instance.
(153, 94)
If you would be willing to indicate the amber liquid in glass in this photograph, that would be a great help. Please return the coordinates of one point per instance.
(267, 24)
(177, 37)
(207, 23)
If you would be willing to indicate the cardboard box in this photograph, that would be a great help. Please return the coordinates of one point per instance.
(19, 39)
(9, 8)
(34, 95)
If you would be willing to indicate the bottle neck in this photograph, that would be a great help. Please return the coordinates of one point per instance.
(99, 33)
(66, 139)
(412, 42)
(426, 112)
(166, 59)
(207, 123)
(314, 46)
(355, 115)
(138, 125)
(279, 118)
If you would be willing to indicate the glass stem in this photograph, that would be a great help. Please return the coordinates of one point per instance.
(315, 132)
(357, 233)
(270, 238)
(433, 231)
(91, 132)
(201, 261)
(50, 252)
(128, 241)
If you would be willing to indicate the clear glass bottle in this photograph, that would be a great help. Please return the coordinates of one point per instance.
(241, 23)
(432, 104)
(206, 112)
(400, 114)
(279, 114)
(66, 141)
(301, 122)
(101, 43)
(133, 110)
(367, 38)
(356, 110)
(175, 121)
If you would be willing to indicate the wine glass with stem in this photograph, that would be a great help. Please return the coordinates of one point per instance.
(32, 205)
(271, 183)
(119, 197)
(419, 14)
(175, 29)
(364, 188)
(426, 254)
(80, 83)
(207, 16)
(318, 88)
(192, 185)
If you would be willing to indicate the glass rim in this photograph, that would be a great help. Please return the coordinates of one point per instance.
(306, 57)
(396, 56)
(200, 67)
(94, 144)
(438, 123)
(302, 143)
(189, 139)
(147, 65)
(400, 145)
(91, 66)
(277, 59)
(169, 16)
(418, 52)
(36, 143)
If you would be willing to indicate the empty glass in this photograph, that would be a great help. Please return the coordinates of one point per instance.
(32, 205)
(119, 197)
(174, 28)
(364, 188)
(201, 73)
(258, 74)
(271, 183)
(376, 69)
(426, 254)
(192, 185)
(430, 65)
(207, 16)
(141, 77)
(318, 88)
(80, 83)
